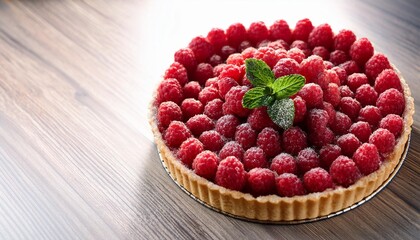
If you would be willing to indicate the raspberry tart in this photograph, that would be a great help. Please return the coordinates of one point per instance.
(272, 123)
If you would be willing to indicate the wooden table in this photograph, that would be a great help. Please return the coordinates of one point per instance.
(77, 158)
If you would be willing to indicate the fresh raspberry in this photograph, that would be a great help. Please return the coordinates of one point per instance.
(329, 108)
(218, 69)
(338, 57)
(232, 71)
(176, 133)
(284, 163)
(321, 137)
(191, 89)
(302, 29)
(205, 164)
(188, 150)
(383, 139)
(294, 140)
(226, 51)
(317, 120)
(391, 102)
(225, 84)
(332, 94)
(341, 124)
(261, 181)
(361, 50)
(236, 33)
(215, 60)
(212, 82)
(203, 72)
(244, 45)
(280, 30)
(344, 171)
(312, 94)
(348, 144)
(350, 106)
(344, 39)
(375, 65)
(212, 140)
(257, 32)
(259, 119)
(356, 80)
(169, 90)
(231, 174)
(286, 66)
(326, 77)
(280, 53)
(350, 67)
(199, 123)
(317, 180)
(328, 65)
(254, 157)
(289, 185)
(208, 94)
(367, 158)
(303, 46)
(370, 114)
(191, 107)
(268, 55)
(307, 159)
(331, 76)
(345, 91)
(322, 52)
(311, 67)
(278, 44)
(213, 109)
(245, 135)
(233, 104)
(327, 154)
(342, 74)
(392, 123)
(235, 59)
(202, 48)
(232, 148)
(387, 79)
(217, 38)
(296, 54)
(361, 130)
(321, 35)
(186, 57)
(248, 52)
(226, 125)
(366, 95)
(177, 70)
(300, 109)
(269, 140)
(168, 112)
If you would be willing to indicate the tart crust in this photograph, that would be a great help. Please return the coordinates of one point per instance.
(274, 208)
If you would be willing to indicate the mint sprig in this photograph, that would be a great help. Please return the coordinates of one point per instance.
(271, 92)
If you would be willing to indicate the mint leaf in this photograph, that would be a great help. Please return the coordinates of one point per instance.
(282, 112)
(258, 72)
(288, 85)
(255, 97)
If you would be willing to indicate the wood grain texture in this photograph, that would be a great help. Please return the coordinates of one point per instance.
(77, 158)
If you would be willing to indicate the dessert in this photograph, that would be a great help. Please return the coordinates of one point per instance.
(281, 124)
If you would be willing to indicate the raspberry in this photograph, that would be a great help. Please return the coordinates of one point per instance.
(307, 159)
(177, 71)
(375, 65)
(361, 50)
(326, 77)
(212, 140)
(391, 102)
(329, 108)
(356, 80)
(342, 74)
(213, 109)
(226, 125)
(348, 144)
(289, 185)
(257, 32)
(203, 72)
(341, 124)
(245, 135)
(328, 65)
(254, 157)
(300, 109)
(387, 79)
(370, 114)
(366, 95)
(202, 48)
(302, 29)
(383, 139)
(191, 107)
(169, 90)
(361, 130)
(280, 30)
(332, 94)
(248, 52)
(217, 38)
(284, 163)
(296, 54)
(350, 106)
(199, 123)
(226, 51)
(367, 158)
(168, 112)
(317, 120)
(218, 69)
(312, 94)
(232, 148)
(269, 140)
(344, 171)
(246, 45)
(322, 52)
(205, 164)
(176, 133)
(350, 67)
(225, 84)
(208, 94)
(212, 82)
(338, 57)
(327, 154)
(317, 180)
(321, 137)
(232, 71)
(215, 60)
(188, 150)
(392, 123)
(235, 59)
(259, 119)
(231, 174)
(344, 39)
(233, 104)
(311, 67)
(303, 46)
(321, 35)
(280, 53)
(236, 33)
(278, 44)
(262, 181)
(345, 91)
(186, 57)
(191, 89)
(268, 55)
(294, 140)
(286, 66)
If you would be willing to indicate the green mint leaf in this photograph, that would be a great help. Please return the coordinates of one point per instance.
(258, 72)
(288, 85)
(255, 97)
(282, 112)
